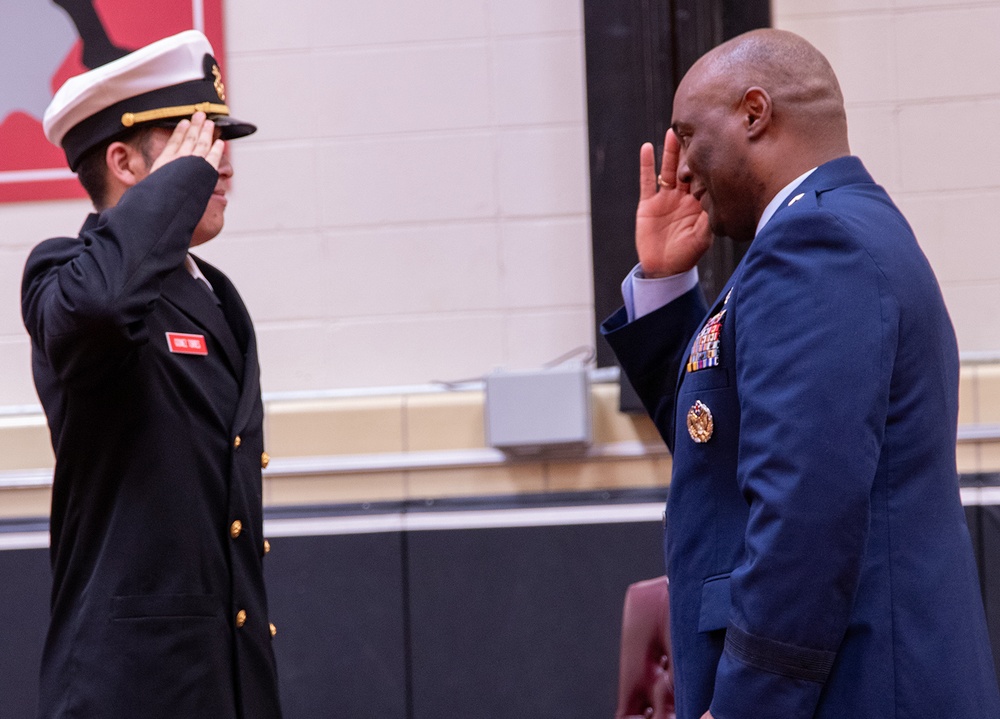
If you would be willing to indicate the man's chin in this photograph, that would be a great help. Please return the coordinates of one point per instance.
(208, 229)
(200, 237)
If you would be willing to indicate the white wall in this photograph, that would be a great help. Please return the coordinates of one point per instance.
(922, 83)
(415, 206)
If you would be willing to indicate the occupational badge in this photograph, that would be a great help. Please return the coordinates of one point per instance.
(700, 422)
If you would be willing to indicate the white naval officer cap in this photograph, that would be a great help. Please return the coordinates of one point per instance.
(159, 84)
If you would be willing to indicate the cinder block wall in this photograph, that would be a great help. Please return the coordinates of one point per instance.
(922, 83)
(415, 208)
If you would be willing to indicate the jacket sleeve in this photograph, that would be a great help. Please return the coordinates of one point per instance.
(651, 350)
(84, 300)
(816, 339)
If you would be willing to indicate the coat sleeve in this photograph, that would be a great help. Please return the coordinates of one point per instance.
(816, 339)
(651, 350)
(84, 300)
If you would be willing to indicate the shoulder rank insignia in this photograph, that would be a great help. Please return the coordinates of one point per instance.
(705, 350)
(700, 423)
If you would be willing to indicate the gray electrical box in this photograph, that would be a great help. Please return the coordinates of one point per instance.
(533, 412)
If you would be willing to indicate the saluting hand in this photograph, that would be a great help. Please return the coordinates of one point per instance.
(194, 137)
(671, 229)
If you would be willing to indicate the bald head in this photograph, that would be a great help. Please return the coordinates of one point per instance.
(798, 78)
(752, 115)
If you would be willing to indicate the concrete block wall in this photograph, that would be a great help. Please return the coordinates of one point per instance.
(415, 206)
(921, 79)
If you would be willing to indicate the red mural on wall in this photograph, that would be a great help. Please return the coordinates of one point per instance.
(44, 42)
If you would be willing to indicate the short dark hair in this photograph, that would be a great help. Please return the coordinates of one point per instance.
(92, 172)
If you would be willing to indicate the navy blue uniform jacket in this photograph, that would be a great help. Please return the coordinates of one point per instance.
(818, 556)
(149, 574)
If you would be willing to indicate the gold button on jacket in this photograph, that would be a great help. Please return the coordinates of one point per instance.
(235, 528)
(274, 629)
(265, 459)
(267, 546)
(237, 442)
(241, 618)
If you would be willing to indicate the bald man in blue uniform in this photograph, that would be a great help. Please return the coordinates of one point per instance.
(817, 551)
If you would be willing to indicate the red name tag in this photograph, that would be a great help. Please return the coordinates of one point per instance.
(186, 344)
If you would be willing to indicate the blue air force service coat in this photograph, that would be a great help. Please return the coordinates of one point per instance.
(151, 387)
(819, 560)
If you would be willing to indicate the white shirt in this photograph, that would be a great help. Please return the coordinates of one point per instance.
(196, 272)
(643, 295)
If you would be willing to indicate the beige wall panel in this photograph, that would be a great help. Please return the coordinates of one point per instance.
(25, 443)
(621, 474)
(988, 385)
(342, 426)
(476, 482)
(968, 395)
(444, 421)
(19, 503)
(610, 425)
(334, 489)
(967, 457)
(989, 457)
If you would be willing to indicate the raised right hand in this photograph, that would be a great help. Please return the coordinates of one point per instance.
(671, 229)
(194, 137)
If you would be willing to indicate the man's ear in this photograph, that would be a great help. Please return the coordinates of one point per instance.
(126, 163)
(756, 109)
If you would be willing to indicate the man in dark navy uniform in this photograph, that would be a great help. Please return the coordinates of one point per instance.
(818, 557)
(145, 361)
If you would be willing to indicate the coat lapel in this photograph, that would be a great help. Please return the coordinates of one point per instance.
(182, 290)
(239, 320)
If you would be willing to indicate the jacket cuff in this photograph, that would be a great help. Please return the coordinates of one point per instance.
(760, 678)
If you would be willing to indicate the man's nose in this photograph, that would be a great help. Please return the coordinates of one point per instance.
(683, 169)
(225, 166)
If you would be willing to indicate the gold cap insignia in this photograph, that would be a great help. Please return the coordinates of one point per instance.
(220, 89)
(700, 422)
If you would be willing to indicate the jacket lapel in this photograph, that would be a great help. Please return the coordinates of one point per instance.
(239, 320)
(182, 290)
